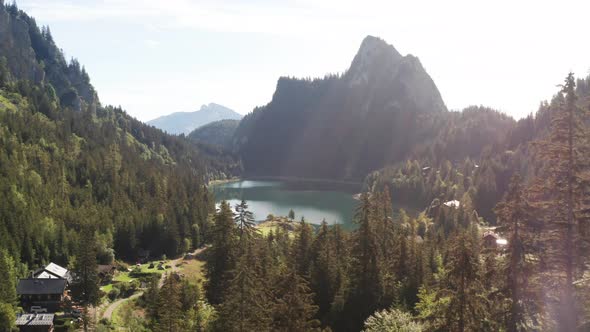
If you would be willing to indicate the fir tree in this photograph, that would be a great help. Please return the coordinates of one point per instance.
(221, 256)
(169, 311)
(467, 308)
(85, 286)
(294, 308)
(558, 195)
(245, 223)
(247, 307)
(516, 222)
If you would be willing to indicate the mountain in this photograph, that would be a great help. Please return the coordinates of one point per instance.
(68, 163)
(341, 126)
(30, 53)
(185, 122)
(217, 133)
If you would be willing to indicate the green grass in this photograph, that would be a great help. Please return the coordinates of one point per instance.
(123, 277)
(107, 288)
(193, 271)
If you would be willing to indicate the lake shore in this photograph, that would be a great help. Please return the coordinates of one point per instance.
(298, 179)
(214, 182)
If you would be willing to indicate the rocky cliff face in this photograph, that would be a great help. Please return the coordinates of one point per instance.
(31, 55)
(341, 126)
(15, 44)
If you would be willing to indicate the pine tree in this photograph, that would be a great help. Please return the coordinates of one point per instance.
(558, 195)
(302, 249)
(8, 283)
(294, 308)
(85, 287)
(245, 223)
(516, 222)
(169, 311)
(365, 278)
(467, 308)
(221, 256)
(247, 307)
(323, 270)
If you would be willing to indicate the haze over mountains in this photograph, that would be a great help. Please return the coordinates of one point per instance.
(341, 126)
(185, 122)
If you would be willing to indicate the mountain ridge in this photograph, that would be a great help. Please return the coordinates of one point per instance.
(185, 122)
(331, 117)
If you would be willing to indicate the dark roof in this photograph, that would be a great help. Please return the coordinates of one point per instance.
(106, 268)
(40, 286)
(35, 320)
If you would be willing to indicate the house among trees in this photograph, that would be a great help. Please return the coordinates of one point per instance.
(492, 240)
(53, 271)
(454, 203)
(35, 322)
(106, 272)
(45, 293)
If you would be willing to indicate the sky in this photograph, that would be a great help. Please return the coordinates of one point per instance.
(155, 57)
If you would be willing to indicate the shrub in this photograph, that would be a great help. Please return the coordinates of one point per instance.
(114, 293)
(392, 320)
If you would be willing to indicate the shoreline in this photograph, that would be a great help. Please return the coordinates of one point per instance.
(214, 182)
(293, 179)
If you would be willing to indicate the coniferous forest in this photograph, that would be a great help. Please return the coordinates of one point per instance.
(500, 241)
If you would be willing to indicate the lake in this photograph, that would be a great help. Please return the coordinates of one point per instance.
(313, 200)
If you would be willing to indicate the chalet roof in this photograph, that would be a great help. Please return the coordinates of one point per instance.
(40, 286)
(53, 271)
(454, 203)
(106, 268)
(35, 320)
(57, 270)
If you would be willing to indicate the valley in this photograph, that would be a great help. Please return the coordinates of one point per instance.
(352, 201)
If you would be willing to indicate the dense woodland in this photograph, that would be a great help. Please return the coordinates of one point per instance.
(68, 164)
(218, 133)
(82, 184)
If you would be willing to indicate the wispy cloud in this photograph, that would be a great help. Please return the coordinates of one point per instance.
(150, 43)
(291, 17)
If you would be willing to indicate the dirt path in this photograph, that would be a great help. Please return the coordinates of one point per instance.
(108, 313)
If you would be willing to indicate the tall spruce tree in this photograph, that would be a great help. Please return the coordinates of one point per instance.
(221, 257)
(85, 287)
(466, 310)
(558, 196)
(365, 293)
(294, 309)
(247, 306)
(517, 223)
(169, 313)
(244, 220)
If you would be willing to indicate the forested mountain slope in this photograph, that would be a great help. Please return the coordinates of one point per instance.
(341, 126)
(66, 163)
(217, 133)
(473, 157)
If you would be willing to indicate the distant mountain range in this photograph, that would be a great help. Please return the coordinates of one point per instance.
(185, 122)
(341, 126)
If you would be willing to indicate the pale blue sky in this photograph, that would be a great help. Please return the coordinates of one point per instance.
(155, 57)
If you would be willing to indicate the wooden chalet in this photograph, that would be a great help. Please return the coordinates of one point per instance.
(45, 293)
